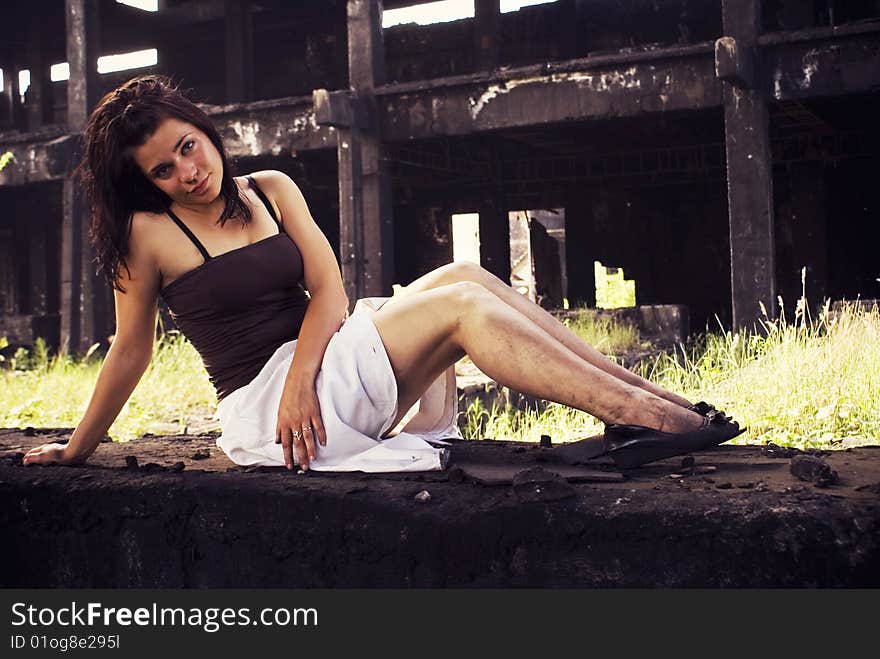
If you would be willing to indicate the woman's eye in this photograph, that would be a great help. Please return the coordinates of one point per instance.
(188, 146)
(162, 172)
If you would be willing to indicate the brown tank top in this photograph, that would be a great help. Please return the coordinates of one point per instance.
(238, 307)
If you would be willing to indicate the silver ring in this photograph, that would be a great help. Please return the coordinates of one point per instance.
(296, 435)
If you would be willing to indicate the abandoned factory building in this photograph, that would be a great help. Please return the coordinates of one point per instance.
(711, 148)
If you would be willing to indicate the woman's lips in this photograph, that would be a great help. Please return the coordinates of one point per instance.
(201, 187)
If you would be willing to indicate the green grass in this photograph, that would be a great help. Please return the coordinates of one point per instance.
(811, 383)
(605, 333)
(808, 383)
(173, 395)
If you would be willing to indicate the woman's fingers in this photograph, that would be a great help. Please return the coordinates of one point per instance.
(318, 427)
(45, 454)
(283, 437)
(307, 442)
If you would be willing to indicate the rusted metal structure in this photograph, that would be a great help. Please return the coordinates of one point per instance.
(711, 148)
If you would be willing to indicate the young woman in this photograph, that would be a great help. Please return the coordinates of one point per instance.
(299, 382)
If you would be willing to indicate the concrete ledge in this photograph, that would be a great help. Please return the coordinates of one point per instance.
(195, 521)
(662, 323)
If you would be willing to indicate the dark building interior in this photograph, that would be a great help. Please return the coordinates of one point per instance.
(628, 114)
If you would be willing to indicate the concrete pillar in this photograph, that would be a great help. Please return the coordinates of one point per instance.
(495, 236)
(39, 95)
(366, 240)
(83, 306)
(487, 20)
(749, 170)
(580, 249)
(239, 52)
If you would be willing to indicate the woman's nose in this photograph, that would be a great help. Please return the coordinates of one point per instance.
(192, 174)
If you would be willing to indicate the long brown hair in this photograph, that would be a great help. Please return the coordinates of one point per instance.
(116, 187)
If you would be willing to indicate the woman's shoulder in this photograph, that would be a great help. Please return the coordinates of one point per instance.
(144, 223)
(146, 232)
(271, 180)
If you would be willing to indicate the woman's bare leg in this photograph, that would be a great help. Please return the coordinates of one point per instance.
(426, 332)
(463, 271)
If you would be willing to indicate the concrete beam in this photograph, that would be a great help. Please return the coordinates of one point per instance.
(589, 88)
(49, 158)
(733, 63)
(278, 127)
(333, 108)
(826, 62)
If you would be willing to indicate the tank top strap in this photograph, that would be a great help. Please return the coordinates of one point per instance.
(189, 234)
(266, 202)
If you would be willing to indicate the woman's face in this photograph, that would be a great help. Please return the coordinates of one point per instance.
(180, 160)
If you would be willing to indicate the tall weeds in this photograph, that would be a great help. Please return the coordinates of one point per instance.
(812, 382)
(173, 395)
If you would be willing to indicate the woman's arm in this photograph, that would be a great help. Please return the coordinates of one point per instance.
(326, 311)
(126, 361)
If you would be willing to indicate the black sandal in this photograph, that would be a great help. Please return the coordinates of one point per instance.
(702, 408)
(633, 446)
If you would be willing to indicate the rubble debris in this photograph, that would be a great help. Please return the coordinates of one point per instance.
(771, 450)
(455, 475)
(536, 484)
(178, 466)
(813, 470)
(423, 496)
(131, 462)
(201, 454)
(546, 441)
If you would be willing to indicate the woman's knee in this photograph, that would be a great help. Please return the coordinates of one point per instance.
(469, 298)
(464, 271)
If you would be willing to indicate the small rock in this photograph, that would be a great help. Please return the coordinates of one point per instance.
(455, 475)
(201, 454)
(152, 466)
(546, 441)
(676, 476)
(29, 431)
(813, 470)
(724, 486)
(706, 479)
(771, 450)
(761, 487)
(178, 466)
(536, 484)
(423, 496)
(131, 462)
(746, 486)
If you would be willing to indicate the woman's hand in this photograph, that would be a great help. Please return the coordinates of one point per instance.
(299, 422)
(48, 454)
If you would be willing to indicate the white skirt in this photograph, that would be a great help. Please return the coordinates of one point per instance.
(357, 392)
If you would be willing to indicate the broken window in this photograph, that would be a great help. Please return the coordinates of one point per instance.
(466, 237)
(613, 291)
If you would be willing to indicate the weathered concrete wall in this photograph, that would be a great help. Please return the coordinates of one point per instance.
(204, 523)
